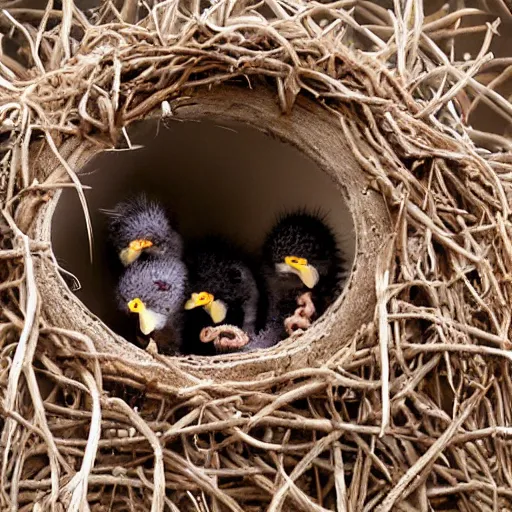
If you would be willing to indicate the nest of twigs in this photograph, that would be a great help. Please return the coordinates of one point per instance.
(399, 399)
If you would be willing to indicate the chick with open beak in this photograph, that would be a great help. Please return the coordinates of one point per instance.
(307, 273)
(140, 227)
(301, 268)
(217, 309)
(222, 290)
(154, 290)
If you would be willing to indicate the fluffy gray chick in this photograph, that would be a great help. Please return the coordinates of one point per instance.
(141, 226)
(155, 290)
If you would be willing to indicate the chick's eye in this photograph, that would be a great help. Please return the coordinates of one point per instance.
(162, 286)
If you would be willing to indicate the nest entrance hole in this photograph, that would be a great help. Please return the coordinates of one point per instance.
(221, 178)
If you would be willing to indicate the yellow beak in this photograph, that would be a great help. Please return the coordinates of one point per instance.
(217, 311)
(129, 254)
(307, 273)
(199, 299)
(147, 320)
(215, 308)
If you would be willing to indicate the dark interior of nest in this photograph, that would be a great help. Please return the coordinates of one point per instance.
(233, 181)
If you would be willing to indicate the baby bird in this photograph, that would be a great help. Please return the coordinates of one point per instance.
(140, 226)
(222, 290)
(301, 265)
(155, 289)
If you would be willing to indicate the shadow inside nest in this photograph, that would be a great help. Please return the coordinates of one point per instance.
(233, 181)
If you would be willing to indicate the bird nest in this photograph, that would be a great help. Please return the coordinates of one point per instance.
(397, 399)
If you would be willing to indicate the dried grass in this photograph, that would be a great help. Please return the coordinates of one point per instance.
(413, 413)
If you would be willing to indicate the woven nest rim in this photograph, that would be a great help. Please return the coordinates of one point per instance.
(312, 130)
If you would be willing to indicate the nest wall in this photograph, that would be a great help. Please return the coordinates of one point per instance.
(229, 178)
(309, 128)
(398, 399)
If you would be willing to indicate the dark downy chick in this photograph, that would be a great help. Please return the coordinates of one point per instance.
(299, 254)
(222, 290)
(141, 226)
(155, 290)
